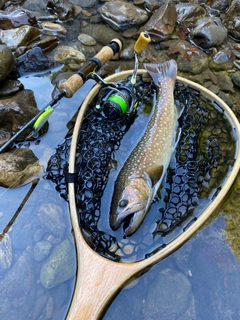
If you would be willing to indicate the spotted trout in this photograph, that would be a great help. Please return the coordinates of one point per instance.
(143, 171)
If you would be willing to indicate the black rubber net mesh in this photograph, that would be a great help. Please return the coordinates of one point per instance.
(202, 158)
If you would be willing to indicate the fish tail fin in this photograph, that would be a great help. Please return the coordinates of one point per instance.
(158, 71)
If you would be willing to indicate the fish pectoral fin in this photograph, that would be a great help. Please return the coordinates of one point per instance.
(177, 137)
(155, 174)
(179, 110)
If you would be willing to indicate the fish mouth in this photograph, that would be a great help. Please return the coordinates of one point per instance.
(131, 218)
(132, 223)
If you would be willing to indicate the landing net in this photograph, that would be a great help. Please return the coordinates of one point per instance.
(202, 159)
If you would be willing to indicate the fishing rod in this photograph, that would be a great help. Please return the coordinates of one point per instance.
(67, 89)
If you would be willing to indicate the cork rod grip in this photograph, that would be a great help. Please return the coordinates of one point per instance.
(71, 85)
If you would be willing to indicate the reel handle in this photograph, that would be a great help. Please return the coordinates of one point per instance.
(142, 42)
(71, 85)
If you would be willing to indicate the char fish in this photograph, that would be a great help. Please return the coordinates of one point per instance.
(143, 171)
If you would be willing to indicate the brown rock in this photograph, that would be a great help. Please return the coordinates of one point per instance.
(162, 23)
(17, 166)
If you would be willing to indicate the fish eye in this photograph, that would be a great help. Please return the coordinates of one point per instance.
(123, 203)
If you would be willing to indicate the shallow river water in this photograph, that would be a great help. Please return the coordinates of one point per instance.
(199, 281)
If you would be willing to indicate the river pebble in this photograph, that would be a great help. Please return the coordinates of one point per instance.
(86, 39)
(58, 269)
(41, 250)
(52, 28)
(51, 217)
(69, 56)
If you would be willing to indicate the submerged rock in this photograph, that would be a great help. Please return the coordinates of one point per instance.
(174, 289)
(121, 15)
(51, 217)
(18, 289)
(162, 23)
(17, 166)
(60, 266)
(15, 112)
(41, 250)
(68, 56)
(189, 58)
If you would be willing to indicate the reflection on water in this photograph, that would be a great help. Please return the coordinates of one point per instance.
(38, 259)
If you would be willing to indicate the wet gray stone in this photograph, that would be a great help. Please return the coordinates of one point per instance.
(41, 250)
(121, 15)
(208, 33)
(60, 266)
(222, 60)
(189, 13)
(169, 296)
(52, 219)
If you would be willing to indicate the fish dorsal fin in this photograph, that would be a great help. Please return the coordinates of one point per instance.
(155, 174)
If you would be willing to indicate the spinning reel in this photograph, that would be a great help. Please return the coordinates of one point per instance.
(118, 99)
